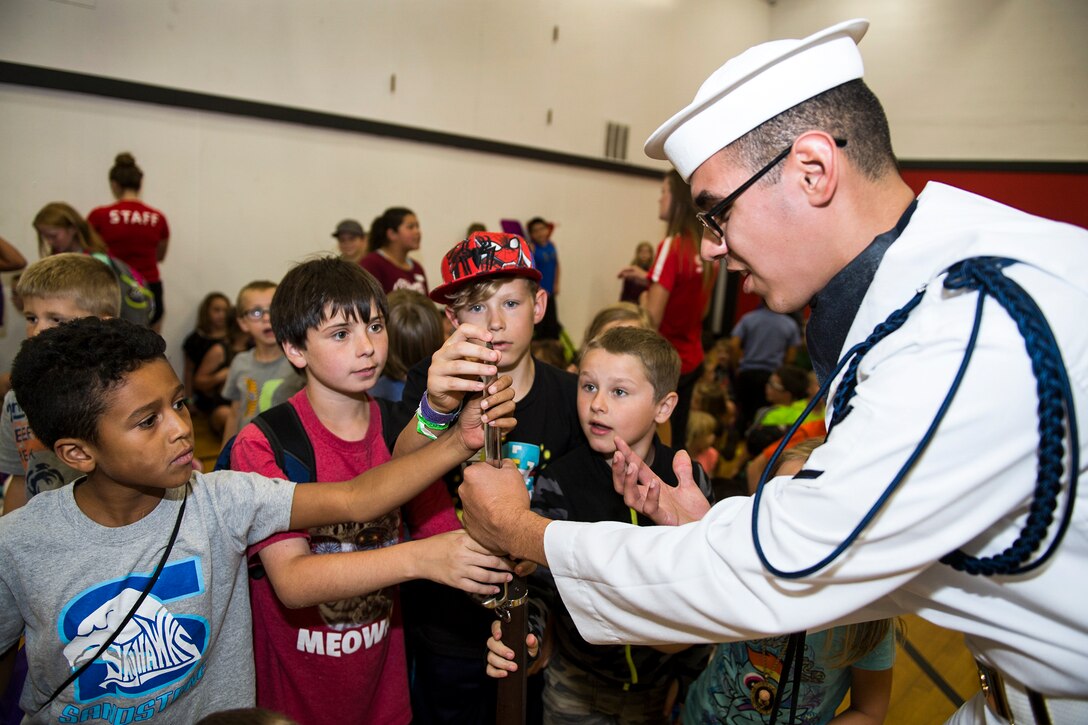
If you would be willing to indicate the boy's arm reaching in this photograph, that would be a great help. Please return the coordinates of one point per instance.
(380, 490)
(302, 579)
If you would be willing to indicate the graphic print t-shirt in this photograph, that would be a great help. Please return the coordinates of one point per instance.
(188, 649)
(258, 385)
(22, 454)
(742, 677)
(356, 644)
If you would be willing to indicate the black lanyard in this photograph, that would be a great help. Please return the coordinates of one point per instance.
(131, 612)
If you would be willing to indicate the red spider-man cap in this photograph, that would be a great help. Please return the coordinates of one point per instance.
(482, 255)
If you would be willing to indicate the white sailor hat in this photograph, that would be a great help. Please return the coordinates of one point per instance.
(754, 87)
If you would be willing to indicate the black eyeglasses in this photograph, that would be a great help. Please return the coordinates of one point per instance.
(257, 313)
(709, 218)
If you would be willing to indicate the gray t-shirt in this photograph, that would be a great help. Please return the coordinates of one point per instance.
(257, 386)
(22, 454)
(188, 650)
(765, 336)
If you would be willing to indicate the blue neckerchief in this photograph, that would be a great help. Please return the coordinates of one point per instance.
(835, 306)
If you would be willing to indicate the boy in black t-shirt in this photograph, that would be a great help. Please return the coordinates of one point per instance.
(626, 389)
(492, 294)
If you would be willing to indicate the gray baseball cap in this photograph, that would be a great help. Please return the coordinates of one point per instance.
(349, 226)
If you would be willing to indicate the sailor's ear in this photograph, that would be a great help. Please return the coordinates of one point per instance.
(814, 165)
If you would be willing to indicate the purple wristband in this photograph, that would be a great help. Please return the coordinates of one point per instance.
(433, 416)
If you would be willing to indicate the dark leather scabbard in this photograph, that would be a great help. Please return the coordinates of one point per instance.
(510, 702)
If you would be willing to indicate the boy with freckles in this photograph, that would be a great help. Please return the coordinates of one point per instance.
(626, 388)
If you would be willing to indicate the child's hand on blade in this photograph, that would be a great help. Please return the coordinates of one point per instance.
(457, 368)
(494, 411)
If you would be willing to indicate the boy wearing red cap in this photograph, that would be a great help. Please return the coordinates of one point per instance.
(491, 289)
(492, 294)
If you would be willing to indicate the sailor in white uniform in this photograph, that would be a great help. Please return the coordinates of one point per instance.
(947, 486)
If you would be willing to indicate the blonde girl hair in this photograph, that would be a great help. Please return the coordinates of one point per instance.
(638, 248)
(60, 214)
(620, 312)
(700, 424)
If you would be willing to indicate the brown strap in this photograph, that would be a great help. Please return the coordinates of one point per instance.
(1038, 707)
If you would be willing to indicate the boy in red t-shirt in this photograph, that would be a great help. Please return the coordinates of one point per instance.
(329, 648)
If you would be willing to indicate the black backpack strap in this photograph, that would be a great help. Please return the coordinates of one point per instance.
(292, 451)
(703, 481)
(390, 430)
(283, 429)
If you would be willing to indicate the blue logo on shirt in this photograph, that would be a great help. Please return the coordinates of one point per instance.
(155, 647)
(527, 458)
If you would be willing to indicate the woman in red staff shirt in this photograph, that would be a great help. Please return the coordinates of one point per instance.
(133, 231)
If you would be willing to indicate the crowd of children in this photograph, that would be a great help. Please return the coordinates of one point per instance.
(344, 370)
